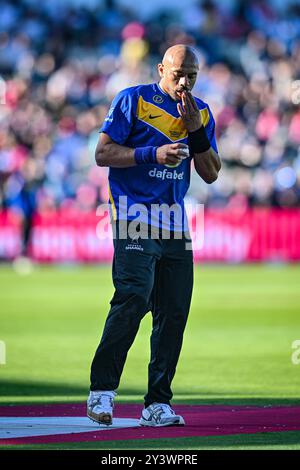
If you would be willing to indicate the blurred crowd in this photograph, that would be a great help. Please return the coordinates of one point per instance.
(61, 66)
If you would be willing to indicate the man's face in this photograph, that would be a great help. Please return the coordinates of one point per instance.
(177, 78)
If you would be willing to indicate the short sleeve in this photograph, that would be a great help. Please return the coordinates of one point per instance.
(211, 131)
(119, 120)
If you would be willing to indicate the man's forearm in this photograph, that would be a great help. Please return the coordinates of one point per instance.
(207, 164)
(206, 160)
(115, 156)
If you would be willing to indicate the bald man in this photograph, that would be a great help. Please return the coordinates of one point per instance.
(148, 140)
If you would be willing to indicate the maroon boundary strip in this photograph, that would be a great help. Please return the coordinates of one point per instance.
(201, 420)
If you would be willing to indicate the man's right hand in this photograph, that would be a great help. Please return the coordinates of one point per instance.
(171, 154)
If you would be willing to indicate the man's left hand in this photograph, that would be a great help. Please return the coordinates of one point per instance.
(189, 112)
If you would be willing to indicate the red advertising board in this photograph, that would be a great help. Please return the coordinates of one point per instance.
(254, 235)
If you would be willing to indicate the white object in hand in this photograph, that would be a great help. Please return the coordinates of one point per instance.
(187, 153)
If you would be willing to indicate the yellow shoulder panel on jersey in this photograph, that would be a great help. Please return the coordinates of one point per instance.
(172, 127)
(205, 116)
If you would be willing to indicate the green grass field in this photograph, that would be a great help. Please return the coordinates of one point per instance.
(237, 347)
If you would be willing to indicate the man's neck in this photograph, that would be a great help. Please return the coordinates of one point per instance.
(161, 86)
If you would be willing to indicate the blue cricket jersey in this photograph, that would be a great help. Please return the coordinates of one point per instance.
(143, 116)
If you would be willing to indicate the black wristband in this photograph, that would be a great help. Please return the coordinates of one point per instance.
(198, 141)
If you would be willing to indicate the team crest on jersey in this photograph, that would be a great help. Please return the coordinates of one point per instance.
(157, 99)
(173, 165)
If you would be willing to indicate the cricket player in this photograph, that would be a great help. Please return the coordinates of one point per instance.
(148, 140)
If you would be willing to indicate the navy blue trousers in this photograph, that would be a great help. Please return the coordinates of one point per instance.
(148, 275)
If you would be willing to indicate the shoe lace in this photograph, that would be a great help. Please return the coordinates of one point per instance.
(162, 409)
(167, 409)
(103, 399)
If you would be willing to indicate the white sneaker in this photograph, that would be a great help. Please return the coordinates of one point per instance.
(160, 414)
(100, 406)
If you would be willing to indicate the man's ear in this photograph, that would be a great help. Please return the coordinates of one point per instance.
(160, 69)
